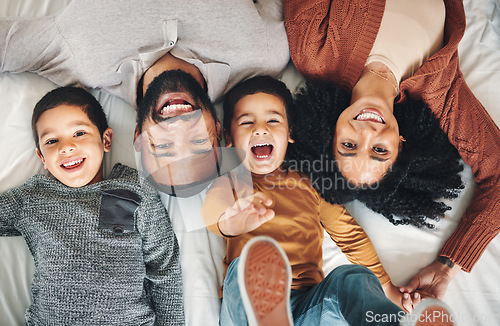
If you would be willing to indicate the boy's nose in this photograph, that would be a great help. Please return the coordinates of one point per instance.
(67, 147)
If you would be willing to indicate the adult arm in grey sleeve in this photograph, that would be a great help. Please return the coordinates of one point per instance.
(35, 45)
(161, 256)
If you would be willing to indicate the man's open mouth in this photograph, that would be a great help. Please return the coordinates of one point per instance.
(175, 107)
(72, 163)
(262, 151)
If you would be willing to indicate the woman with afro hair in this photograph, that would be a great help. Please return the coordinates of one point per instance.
(425, 170)
(375, 136)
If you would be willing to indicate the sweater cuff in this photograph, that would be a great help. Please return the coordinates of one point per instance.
(467, 244)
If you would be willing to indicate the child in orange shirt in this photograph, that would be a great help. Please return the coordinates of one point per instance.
(281, 203)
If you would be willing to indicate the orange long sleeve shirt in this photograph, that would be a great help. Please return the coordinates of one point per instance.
(301, 216)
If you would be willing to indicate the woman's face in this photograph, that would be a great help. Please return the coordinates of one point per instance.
(366, 141)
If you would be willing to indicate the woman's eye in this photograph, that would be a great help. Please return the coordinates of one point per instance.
(199, 141)
(348, 145)
(380, 150)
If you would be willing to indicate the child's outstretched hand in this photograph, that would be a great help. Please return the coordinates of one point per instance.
(246, 215)
(406, 301)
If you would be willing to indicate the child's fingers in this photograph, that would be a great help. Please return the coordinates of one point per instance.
(407, 302)
(262, 198)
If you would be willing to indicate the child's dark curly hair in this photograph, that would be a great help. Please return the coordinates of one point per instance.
(426, 170)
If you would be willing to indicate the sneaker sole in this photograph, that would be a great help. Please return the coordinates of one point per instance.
(264, 278)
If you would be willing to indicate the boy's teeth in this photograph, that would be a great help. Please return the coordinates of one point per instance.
(72, 163)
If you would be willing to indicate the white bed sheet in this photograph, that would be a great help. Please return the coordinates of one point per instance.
(474, 297)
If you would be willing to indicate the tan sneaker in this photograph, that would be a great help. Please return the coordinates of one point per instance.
(430, 312)
(265, 278)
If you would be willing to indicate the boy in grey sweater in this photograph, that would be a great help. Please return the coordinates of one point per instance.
(104, 250)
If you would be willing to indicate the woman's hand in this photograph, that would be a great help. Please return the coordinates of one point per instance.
(432, 281)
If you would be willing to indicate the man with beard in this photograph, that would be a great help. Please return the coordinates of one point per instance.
(121, 47)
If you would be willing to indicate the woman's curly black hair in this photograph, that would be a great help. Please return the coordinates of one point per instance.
(426, 170)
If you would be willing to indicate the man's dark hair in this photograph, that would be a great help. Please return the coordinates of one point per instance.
(70, 96)
(426, 170)
(258, 84)
(172, 81)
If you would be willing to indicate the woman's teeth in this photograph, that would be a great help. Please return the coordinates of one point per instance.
(369, 116)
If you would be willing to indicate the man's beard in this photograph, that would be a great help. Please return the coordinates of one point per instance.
(174, 81)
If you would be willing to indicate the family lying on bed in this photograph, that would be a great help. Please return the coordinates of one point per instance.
(381, 128)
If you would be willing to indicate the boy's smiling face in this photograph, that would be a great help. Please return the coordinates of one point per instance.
(71, 145)
(260, 128)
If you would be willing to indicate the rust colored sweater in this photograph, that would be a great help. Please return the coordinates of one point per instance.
(301, 216)
(332, 40)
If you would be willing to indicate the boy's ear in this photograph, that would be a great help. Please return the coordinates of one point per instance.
(107, 139)
(39, 154)
(137, 139)
(290, 139)
(227, 138)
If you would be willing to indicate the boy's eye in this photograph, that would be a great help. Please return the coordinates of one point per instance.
(51, 141)
(79, 133)
(273, 121)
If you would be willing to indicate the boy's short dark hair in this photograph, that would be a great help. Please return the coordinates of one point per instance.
(70, 96)
(254, 85)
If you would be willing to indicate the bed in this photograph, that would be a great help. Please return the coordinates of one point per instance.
(474, 297)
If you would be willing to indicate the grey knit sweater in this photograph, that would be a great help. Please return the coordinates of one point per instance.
(105, 254)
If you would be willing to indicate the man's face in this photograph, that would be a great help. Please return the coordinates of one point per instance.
(178, 133)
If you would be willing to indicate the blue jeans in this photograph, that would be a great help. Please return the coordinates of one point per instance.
(349, 295)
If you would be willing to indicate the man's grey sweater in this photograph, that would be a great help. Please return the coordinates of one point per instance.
(110, 44)
(105, 253)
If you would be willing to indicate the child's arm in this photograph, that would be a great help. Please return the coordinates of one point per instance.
(226, 215)
(358, 248)
(161, 257)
